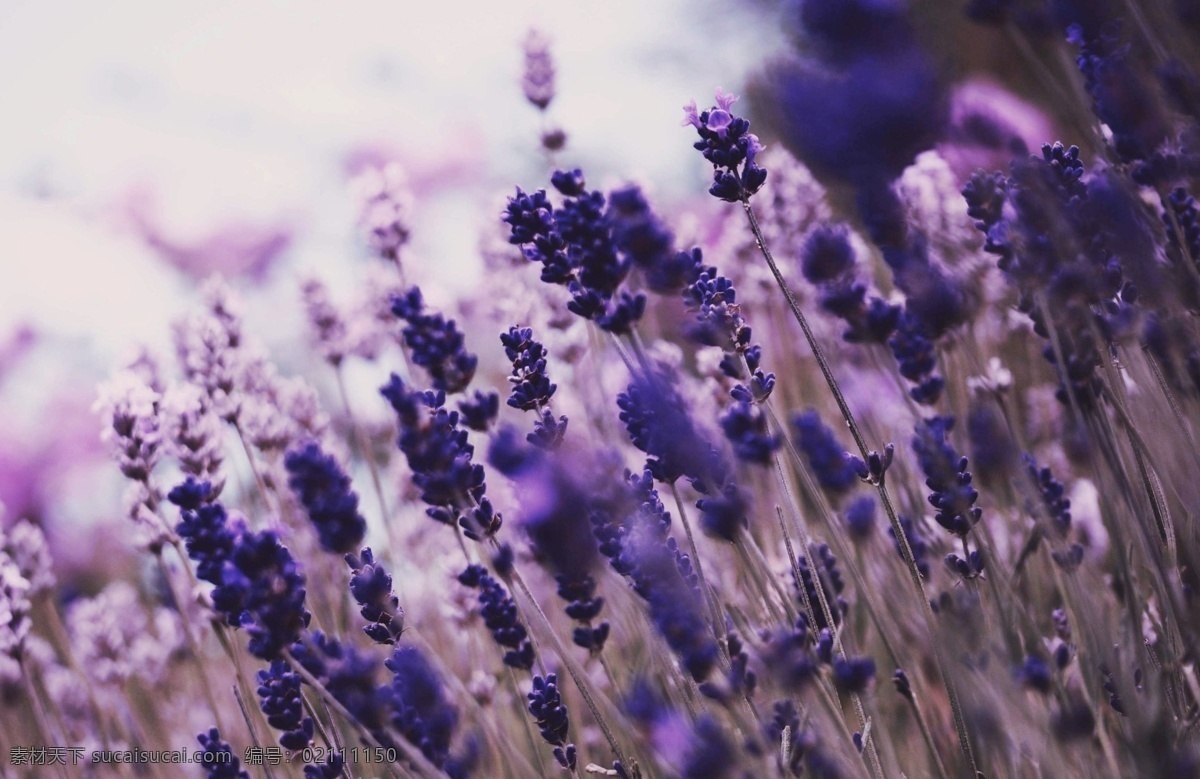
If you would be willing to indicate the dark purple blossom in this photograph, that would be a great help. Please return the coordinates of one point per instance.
(853, 674)
(646, 241)
(914, 353)
(371, 586)
(440, 457)
(225, 767)
(574, 244)
(436, 343)
(947, 476)
(204, 527)
(324, 490)
(1052, 493)
(860, 518)
(422, 713)
(280, 700)
(546, 706)
(745, 426)
(726, 142)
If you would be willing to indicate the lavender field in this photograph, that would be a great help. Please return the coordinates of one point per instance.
(789, 388)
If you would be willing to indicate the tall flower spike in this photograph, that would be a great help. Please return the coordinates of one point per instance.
(193, 432)
(387, 204)
(726, 142)
(546, 706)
(371, 586)
(328, 327)
(440, 458)
(324, 490)
(221, 762)
(947, 476)
(205, 528)
(499, 613)
(436, 343)
(279, 698)
(829, 461)
(262, 589)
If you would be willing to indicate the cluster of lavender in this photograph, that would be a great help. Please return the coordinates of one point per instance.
(742, 633)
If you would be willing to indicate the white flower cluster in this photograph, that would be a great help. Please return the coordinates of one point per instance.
(113, 639)
(129, 408)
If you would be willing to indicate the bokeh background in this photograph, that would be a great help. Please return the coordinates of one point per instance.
(146, 145)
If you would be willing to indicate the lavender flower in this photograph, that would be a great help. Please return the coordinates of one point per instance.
(947, 476)
(726, 142)
(480, 410)
(853, 674)
(913, 350)
(870, 102)
(350, 677)
(324, 491)
(262, 590)
(386, 210)
(422, 713)
(713, 299)
(220, 762)
(15, 608)
(1052, 494)
(499, 613)
(532, 387)
(371, 586)
(646, 241)
(916, 544)
(860, 518)
(709, 755)
(436, 343)
(329, 329)
(279, 697)
(659, 424)
(831, 585)
(745, 425)
(830, 463)
(545, 704)
(132, 424)
(827, 261)
(575, 247)
(192, 433)
(439, 456)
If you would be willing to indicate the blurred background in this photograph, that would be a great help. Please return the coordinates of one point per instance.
(149, 145)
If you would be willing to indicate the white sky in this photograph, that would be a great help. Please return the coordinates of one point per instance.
(217, 111)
